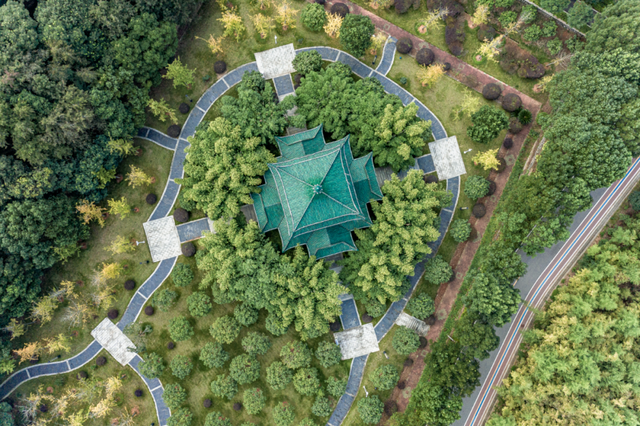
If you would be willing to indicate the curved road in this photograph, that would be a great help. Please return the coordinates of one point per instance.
(543, 274)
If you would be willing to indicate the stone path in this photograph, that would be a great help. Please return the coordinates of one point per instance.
(388, 54)
(193, 230)
(349, 317)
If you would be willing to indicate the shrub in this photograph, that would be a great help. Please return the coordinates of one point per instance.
(370, 409)
(580, 14)
(100, 361)
(308, 61)
(313, 17)
(530, 12)
(306, 381)
(113, 314)
(554, 6)
(216, 419)
(401, 6)
(278, 375)
(224, 386)
(336, 387)
(491, 91)
(171, 345)
(174, 395)
(454, 36)
(213, 355)
(405, 341)
(174, 130)
(188, 249)
(256, 343)
(476, 187)
(199, 304)
(524, 116)
(296, 355)
(554, 46)
(151, 366)
(549, 28)
(421, 306)
(507, 143)
(384, 377)
(219, 67)
(138, 393)
(307, 421)
(225, 329)
(328, 353)
(634, 200)
(425, 56)
(511, 102)
(375, 308)
(244, 369)
(253, 400)
(181, 366)
(164, 299)
(82, 375)
(479, 210)
(404, 45)
(245, 314)
(322, 407)
(151, 199)
(129, 285)
(180, 417)
(340, 9)
(148, 310)
(180, 329)
(487, 124)
(437, 270)
(486, 32)
(355, 34)
(533, 33)
(181, 215)
(515, 126)
(182, 275)
(207, 403)
(283, 414)
(508, 17)
(460, 230)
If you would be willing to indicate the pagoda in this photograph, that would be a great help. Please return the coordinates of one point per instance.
(316, 193)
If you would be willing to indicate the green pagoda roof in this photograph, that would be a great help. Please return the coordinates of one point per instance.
(316, 193)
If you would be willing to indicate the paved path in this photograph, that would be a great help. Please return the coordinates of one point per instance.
(543, 274)
(388, 54)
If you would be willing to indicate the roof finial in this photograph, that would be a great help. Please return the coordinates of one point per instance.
(317, 189)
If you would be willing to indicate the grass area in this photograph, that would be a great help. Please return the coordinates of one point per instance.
(198, 382)
(125, 398)
(374, 361)
(155, 161)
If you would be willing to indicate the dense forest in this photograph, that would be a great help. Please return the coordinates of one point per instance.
(74, 83)
(592, 135)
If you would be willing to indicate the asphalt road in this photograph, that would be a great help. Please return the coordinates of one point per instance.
(544, 272)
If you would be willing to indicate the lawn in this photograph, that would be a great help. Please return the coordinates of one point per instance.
(155, 161)
(125, 399)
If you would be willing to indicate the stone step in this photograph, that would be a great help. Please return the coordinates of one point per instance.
(412, 323)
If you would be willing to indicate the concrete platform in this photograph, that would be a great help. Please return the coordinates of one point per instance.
(447, 158)
(357, 341)
(163, 238)
(114, 341)
(276, 62)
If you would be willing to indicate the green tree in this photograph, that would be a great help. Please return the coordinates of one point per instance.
(180, 329)
(307, 422)
(213, 355)
(476, 335)
(476, 187)
(295, 355)
(255, 343)
(224, 386)
(487, 123)
(164, 299)
(555, 6)
(634, 200)
(244, 369)
(310, 60)
(328, 354)
(355, 33)
(306, 381)
(493, 300)
(313, 17)
(199, 304)
(245, 314)
(283, 414)
(180, 417)
(179, 73)
(216, 419)
(174, 395)
(225, 329)
(181, 366)
(119, 207)
(6, 419)
(421, 306)
(152, 366)
(336, 387)
(278, 375)
(397, 240)
(254, 400)
(370, 409)
(322, 407)
(385, 377)
(182, 275)
(401, 136)
(216, 188)
(437, 270)
(405, 341)
(460, 230)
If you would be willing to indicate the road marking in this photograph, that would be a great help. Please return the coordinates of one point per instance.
(68, 366)
(28, 374)
(201, 109)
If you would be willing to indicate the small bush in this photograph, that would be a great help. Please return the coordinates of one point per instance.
(491, 91)
(213, 355)
(180, 329)
(244, 369)
(295, 355)
(138, 393)
(151, 199)
(486, 32)
(216, 419)
(188, 249)
(384, 377)
(524, 116)
(174, 130)
(113, 314)
(225, 329)
(531, 12)
(460, 230)
(171, 345)
(328, 353)
(181, 215)
(533, 33)
(81, 375)
(404, 45)
(164, 299)
(219, 67)
(487, 124)
(554, 46)
(421, 306)
(336, 387)
(313, 17)
(207, 403)
(322, 407)
(507, 143)
(245, 314)
(479, 210)
(402, 6)
(308, 61)
(256, 343)
(634, 200)
(100, 361)
(306, 381)
(476, 187)
(278, 375)
(511, 102)
(224, 387)
(340, 9)
(253, 400)
(181, 366)
(405, 341)
(370, 409)
(129, 285)
(180, 417)
(182, 275)
(283, 414)
(515, 126)
(507, 18)
(437, 270)
(151, 366)
(148, 310)
(174, 395)
(549, 28)
(199, 304)
(425, 56)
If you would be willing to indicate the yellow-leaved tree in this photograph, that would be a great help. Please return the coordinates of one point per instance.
(89, 211)
(332, 27)
(232, 23)
(487, 159)
(428, 76)
(286, 16)
(263, 24)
